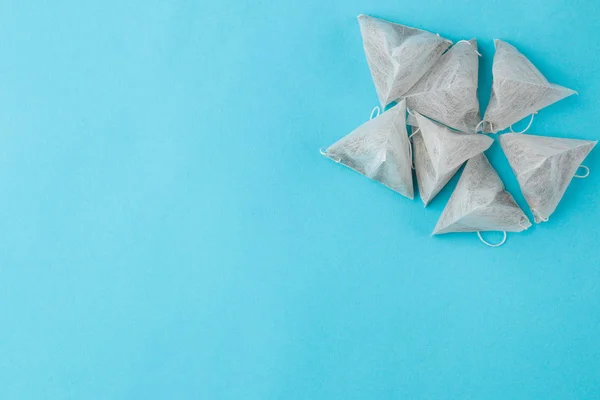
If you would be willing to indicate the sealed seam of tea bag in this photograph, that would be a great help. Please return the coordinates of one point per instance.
(447, 93)
(379, 149)
(398, 55)
(480, 203)
(439, 152)
(518, 89)
(544, 167)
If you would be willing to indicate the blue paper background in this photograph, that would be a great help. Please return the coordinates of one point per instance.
(170, 231)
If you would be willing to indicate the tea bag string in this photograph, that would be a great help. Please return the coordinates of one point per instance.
(470, 44)
(587, 172)
(477, 127)
(492, 244)
(410, 148)
(482, 129)
(537, 214)
(373, 112)
(528, 126)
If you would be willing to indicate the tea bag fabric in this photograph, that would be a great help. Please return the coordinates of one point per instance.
(379, 149)
(480, 203)
(439, 152)
(544, 167)
(398, 55)
(448, 91)
(411, 120)
(518, 89)
(429, 182)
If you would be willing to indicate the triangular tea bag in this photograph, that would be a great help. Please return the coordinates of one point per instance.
(398, 55)
(480, 203)
(448, 91)
(544, 167)
(439, 152)
(379, 149)
(518, 89)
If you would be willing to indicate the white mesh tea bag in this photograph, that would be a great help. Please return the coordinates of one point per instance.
(379, 149)
(398, 56)
(518, 89)
(544, 167)
(480, 203)
(448, 91)
(439, 152)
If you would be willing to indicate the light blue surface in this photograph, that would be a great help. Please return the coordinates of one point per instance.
(170, 231)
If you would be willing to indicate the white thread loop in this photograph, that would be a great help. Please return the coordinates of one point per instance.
(587, 172)
(470, 44)
(482, 122)
(410, 112)
(331, 156)
(477, 127)
(537, 214)
(410, 147)
(373, 112)
(492, 244)
(528, 126)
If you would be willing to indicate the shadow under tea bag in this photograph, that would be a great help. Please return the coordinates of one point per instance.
(379, 149)
(439, 152)
(544, 167)
(448, 91)
(480, 203)
(398, 56)
(518, 89)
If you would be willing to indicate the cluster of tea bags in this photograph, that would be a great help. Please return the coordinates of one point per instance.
(434, 85)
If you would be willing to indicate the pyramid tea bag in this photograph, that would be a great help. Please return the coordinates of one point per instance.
(518, 89)
(439, 152)
(379, 149)
(544, 167)
(398, 56)
(480, 203)
(448, 91)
